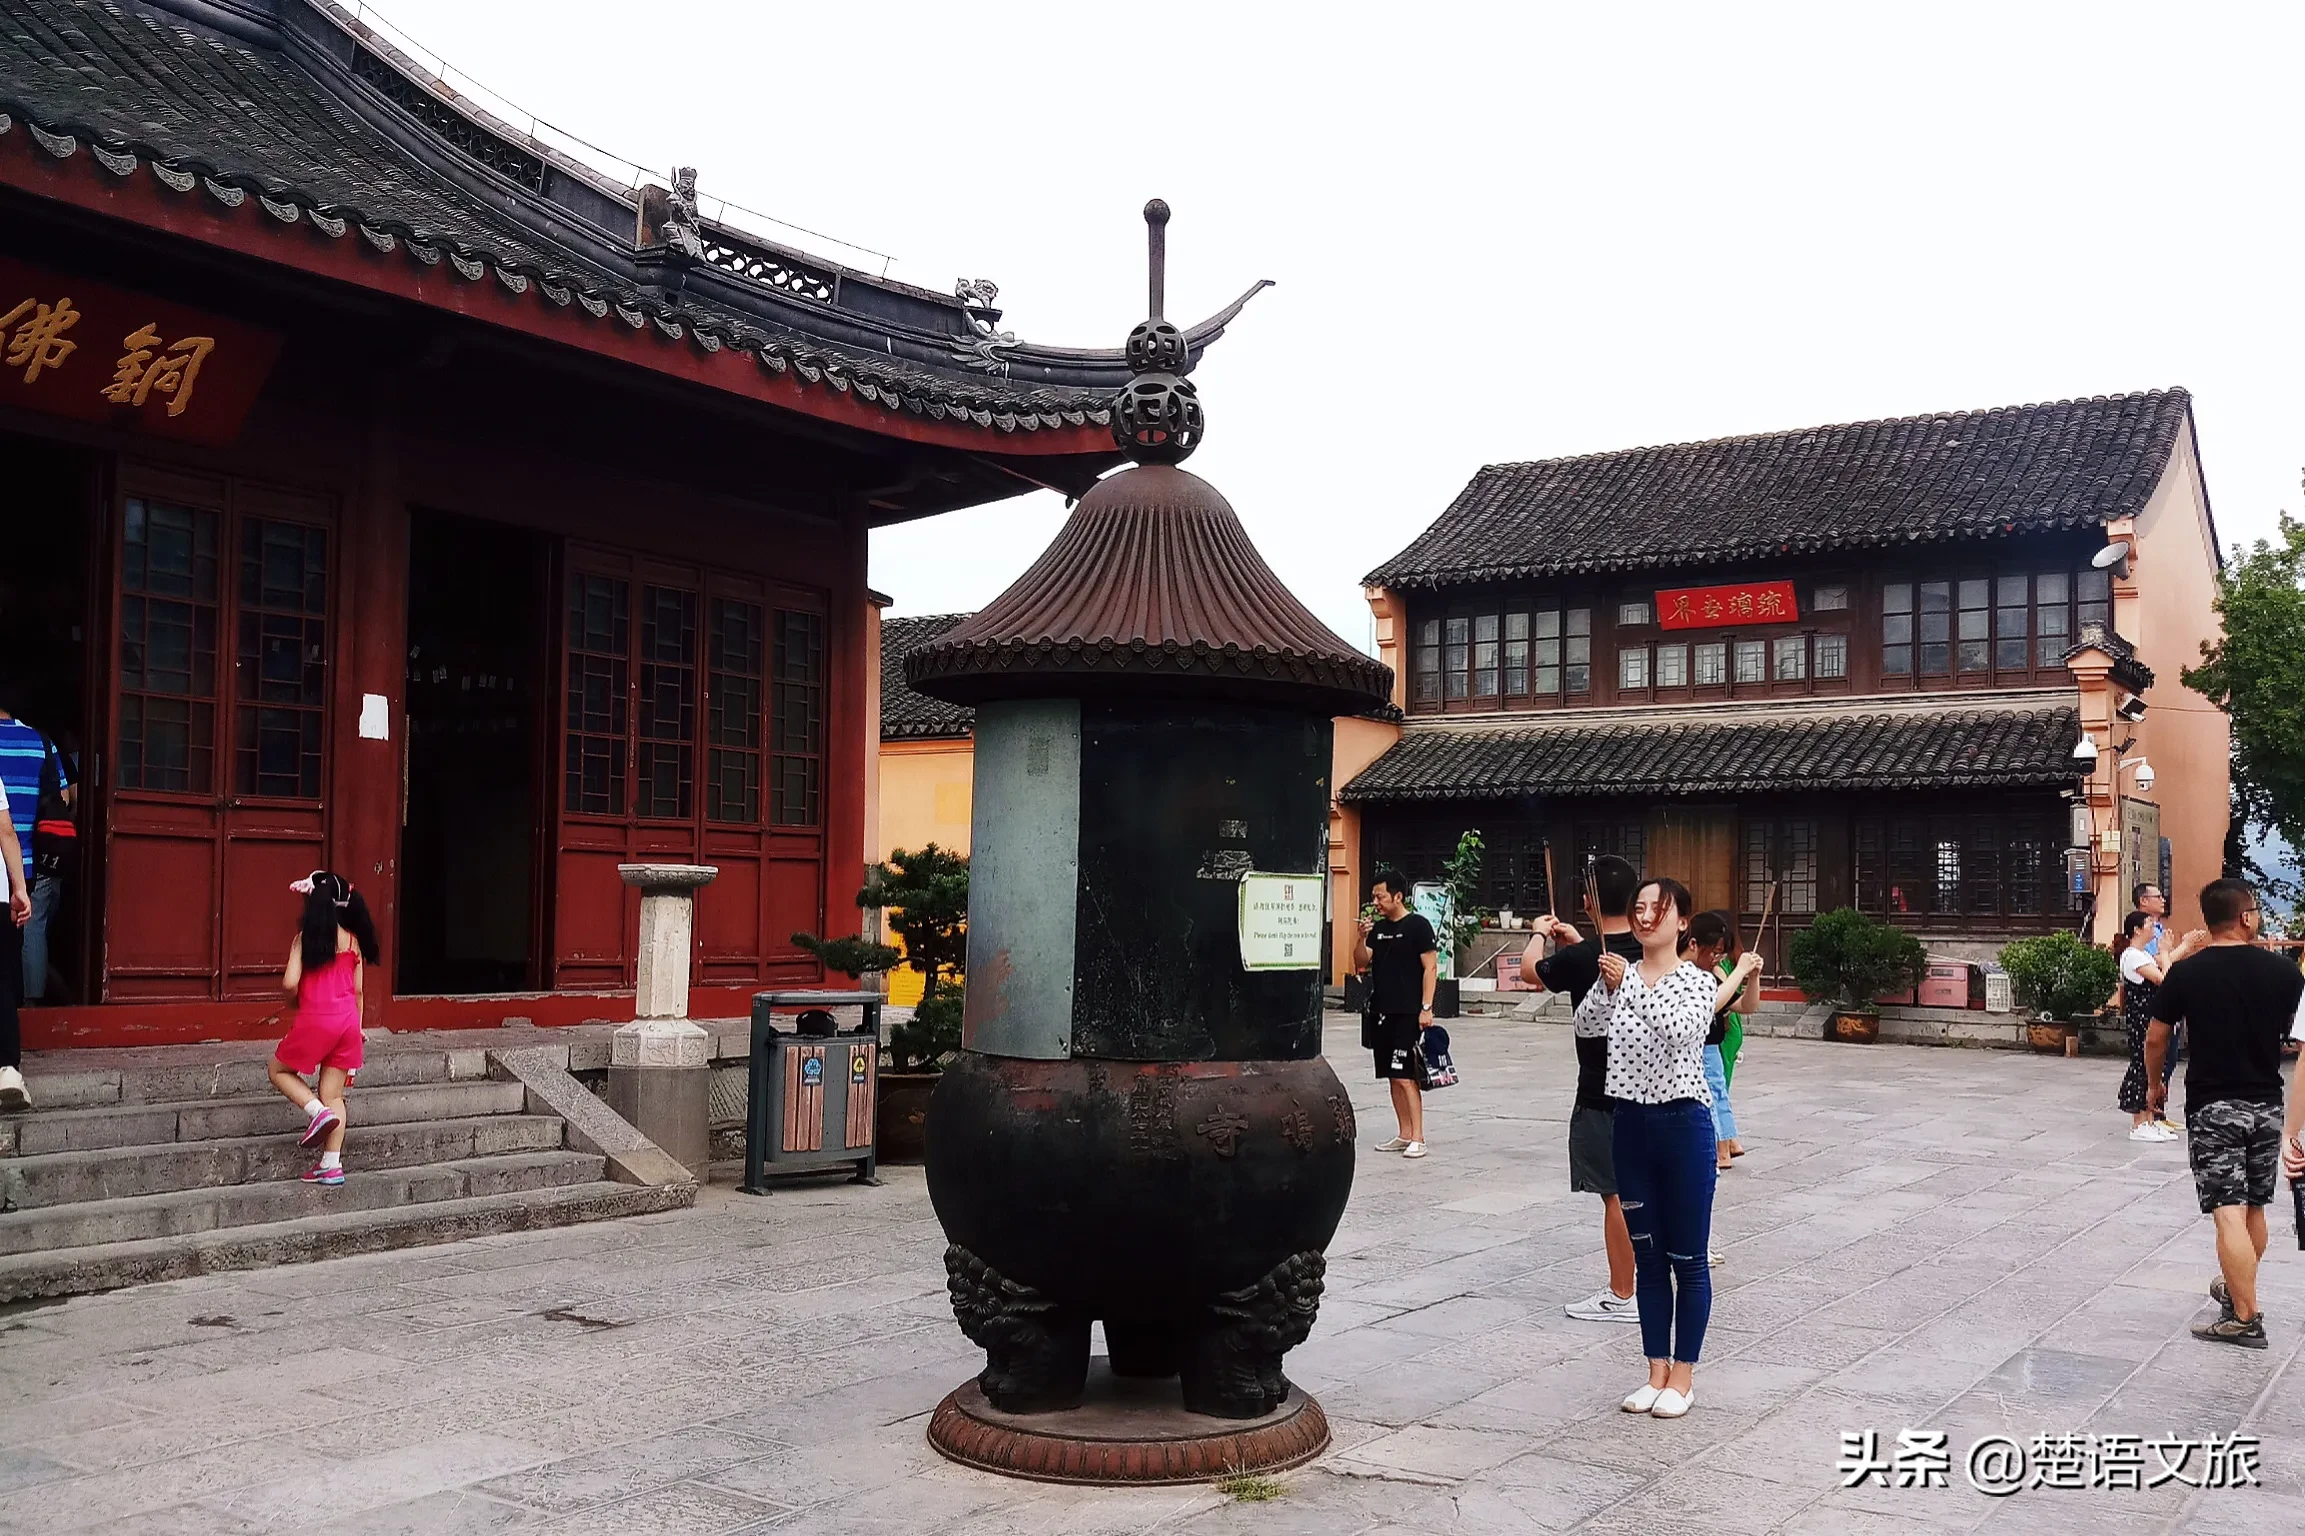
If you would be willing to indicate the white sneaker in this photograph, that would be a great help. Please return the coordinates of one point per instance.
(1671, 1404)
(2147, 1132)
(14, 1099)
(1413, 1149)
(1605, 1306)
(1397, 1144)
(1642, 1401)
(1714, 1258)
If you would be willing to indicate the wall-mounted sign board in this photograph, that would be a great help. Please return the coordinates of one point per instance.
(1280, 922)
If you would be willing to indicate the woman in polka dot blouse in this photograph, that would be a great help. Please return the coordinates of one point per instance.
(1657, 1012)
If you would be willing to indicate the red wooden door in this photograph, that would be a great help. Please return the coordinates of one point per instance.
(692, 732)
(219, 733)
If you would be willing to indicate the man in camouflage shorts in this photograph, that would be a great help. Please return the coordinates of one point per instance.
(2236, 1001)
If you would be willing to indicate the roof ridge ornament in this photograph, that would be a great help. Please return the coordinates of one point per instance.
(1157, 416)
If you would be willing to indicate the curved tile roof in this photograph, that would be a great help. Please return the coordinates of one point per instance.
(1957, 475)
(903, 712)
(1152, 582)
(221, 119)
(1884, 749)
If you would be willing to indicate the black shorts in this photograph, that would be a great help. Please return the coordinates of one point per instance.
(1592, 1151)
(1396, 1048)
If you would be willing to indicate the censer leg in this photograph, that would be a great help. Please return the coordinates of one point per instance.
(1036, 1351)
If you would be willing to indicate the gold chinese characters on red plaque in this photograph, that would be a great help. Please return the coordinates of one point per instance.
(70, 347)
(1747, 602)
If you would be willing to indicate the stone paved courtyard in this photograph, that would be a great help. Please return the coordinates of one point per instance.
(1959, 1240)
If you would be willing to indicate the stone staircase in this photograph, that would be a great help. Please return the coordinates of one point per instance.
(146, 1166)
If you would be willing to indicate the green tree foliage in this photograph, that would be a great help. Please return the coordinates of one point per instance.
(1461, 877)
(2252, 672)
(1846, 957)
(2060, 976)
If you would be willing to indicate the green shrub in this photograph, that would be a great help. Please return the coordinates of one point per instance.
(933, 1033)
(1848, 958)
(2060, 976)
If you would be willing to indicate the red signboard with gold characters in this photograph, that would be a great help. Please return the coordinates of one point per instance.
(75, 348)
(1746, 602)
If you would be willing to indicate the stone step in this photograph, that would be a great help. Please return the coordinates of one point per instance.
(185, 1212)
(177, 1075)
(337, 1234)
(123, 1173)
(140, 1125)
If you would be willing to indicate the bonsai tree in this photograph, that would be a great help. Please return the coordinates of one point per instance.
(2060, 976)
(855, 958)
(1848, 958)
(1461, 880)
(923, 897)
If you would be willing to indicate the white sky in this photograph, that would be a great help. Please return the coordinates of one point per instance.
(1504, 231)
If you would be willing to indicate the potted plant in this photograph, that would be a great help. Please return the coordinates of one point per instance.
(923, 898)
(1460, 922)
(2063, 980)
(1849, 959)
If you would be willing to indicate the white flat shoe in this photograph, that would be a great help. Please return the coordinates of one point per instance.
(1642, 1401)
(1671, 1404)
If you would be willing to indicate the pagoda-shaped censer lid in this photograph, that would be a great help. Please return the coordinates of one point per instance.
(1153, 584)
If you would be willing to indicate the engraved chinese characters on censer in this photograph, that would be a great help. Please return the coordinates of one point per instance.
(1139, 1131)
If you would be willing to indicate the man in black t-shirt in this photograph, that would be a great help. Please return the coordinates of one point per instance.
(1403, 962)
(1573, 967)
(2235, 1001)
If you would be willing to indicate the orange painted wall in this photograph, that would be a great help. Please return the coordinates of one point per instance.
(2187, 738)
(1358, 744)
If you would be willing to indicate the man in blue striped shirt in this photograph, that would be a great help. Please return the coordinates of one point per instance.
(24, 758)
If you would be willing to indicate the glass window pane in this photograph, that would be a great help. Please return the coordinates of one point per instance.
(1454, 683)
(1832, 655)
(1580, 621)
(1897, 597)
(2010, 591)
(2052, 587)
(1545, 681)
(1897, 660)
(1459, 631)
(1897, 628)
(1580, 678)
(1429, 632)
(1485, 627)
(1834, 599)
(1580, 649)
(1633, 667)
(1712, 661)
(1792, 658)
(1548, 624)
(1516, 626)
(1752, 661)
(1672, 666)
(1974, 593)
(1632, 613)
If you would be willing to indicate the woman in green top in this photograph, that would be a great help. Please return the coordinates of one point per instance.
(1713, 944)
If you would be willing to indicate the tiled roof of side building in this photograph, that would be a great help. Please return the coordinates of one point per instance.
(904, 713)
(1887, 748)
(1917, 479)
(300, 107)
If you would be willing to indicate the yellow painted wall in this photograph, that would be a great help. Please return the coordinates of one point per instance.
(924, 794)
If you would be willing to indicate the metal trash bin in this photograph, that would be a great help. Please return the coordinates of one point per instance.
(813, 1098)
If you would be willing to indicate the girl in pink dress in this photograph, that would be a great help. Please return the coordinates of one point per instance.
(335, 942)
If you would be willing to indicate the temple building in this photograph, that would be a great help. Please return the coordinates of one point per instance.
(389, 490)
(1927, 667)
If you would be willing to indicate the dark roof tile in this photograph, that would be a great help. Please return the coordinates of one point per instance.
(1888, 749)
(904, 713)
(1959, 475)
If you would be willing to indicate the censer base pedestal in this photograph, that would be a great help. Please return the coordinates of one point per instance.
(1126, 1432)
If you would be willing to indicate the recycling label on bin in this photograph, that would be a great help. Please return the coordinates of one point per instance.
(812, 1072)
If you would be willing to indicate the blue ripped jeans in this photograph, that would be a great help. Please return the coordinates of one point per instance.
(1665, 1174)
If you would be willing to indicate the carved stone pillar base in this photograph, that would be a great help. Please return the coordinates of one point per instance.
(660, 1081)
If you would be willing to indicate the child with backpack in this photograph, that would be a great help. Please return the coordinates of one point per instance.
(335, 943)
